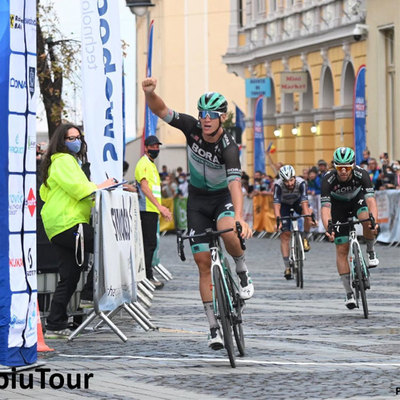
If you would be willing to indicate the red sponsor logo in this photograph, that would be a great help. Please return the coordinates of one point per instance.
(31, 202)
(16, 262)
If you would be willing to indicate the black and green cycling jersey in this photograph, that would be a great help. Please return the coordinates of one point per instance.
(333, 188)
(211, 165)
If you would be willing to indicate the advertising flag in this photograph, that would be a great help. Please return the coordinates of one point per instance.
(359, 114)
(18, 97)
(259, 153)
(102, 88)
(150, 119)
(240, 122)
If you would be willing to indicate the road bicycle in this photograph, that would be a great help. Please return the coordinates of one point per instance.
(359, 272)
(228, 305)
(296, 254)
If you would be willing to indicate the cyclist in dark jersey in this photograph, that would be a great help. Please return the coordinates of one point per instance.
(347, 191)
(215, 193)
(290, 191)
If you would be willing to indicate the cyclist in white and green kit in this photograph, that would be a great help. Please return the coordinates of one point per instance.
(215, 194)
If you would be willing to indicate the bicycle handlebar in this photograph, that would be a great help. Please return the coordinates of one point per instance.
(293, 218)
(351, 222)
(209, 232)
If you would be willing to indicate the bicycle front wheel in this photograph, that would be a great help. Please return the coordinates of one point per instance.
(359, 278)
(238, 305)
(224, 314)
(298, 265)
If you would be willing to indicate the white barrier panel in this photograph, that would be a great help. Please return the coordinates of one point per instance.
(389, 215)
(115, 257)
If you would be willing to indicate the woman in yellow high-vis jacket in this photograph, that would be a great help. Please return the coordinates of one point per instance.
(66, 215)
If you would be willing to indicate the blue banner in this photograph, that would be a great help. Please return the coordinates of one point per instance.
(150, 120)
(359, 114)
(258, 86)
(259, 153)
(18, 97)
(240, 122)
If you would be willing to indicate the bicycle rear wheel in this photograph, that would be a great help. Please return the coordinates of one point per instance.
(238, 305)
(299, 261)
(224, 314)
(300, 264)
(359, 279)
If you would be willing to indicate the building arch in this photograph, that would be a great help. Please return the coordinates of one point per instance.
(347, 84)
(326, 94)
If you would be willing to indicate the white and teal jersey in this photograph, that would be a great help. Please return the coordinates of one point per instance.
(211, 165)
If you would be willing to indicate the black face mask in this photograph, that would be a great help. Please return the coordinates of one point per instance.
(153, 153)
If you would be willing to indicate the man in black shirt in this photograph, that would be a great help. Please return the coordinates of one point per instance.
(347, 191)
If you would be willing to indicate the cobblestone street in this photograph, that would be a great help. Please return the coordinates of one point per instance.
(301, 344)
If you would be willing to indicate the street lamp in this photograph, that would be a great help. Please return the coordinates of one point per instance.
(139, 7)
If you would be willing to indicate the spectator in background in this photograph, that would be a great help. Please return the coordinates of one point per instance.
(130, 186)
(164, 172)
(364, 165)
(322, 168)
(179, 170)
(313, 182)
(396, 174)
(366, 156)
(183, 185)
(66, 213)
(148, 182)
(374, 173)
(304, 175)
(169, 186)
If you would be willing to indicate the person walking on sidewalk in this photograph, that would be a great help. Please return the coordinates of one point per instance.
(149, 188)
(65, 215)
(215, 193)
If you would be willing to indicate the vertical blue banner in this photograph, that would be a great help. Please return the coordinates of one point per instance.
(240, 122)
(18, 97)
(259, 153)
(150, 119)
(359, 114)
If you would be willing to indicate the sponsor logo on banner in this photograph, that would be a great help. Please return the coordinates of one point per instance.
(16, 149)
(31, 202)
(17, 84)
(31, 271)
(122, 222)
(16, 22)
(31, 80)
(15, 321)
(15, 202)
(16, 262)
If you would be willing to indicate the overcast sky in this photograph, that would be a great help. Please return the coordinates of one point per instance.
(68, 13)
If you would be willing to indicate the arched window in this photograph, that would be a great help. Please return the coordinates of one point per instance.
(306, 99)
(326, 98)
(348, 78)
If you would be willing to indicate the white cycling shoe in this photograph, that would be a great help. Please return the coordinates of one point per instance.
(246, 287)
(215, 341)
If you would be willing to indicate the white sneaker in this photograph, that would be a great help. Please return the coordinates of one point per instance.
(372, 259)
(215, 341)
(246, 288)
(350, 301)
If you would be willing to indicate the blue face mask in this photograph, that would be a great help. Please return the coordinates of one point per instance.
(74, 146)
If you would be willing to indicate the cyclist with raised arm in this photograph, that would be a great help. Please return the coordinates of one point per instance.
(347, 191)
(215, 193)
(290, 191)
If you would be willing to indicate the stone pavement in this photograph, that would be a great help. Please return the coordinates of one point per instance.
(299, 343)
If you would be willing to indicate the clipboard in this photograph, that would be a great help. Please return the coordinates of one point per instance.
(109, 188)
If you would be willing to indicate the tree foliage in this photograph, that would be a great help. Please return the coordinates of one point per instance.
(57, 62)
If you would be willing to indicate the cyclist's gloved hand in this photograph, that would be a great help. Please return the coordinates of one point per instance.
(330, 233)
(278, 224)
(246, 231)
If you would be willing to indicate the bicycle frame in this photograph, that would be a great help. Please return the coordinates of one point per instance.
(354, 241)
(217, 262)
(293, 255)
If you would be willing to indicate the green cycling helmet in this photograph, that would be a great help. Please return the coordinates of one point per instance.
(212, 101)
(344, 155)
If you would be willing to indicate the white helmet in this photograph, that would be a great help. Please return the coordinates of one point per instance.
(287, 172)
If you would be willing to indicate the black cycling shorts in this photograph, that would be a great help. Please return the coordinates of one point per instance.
(342, 210)
(285, 212)
(203, 211)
